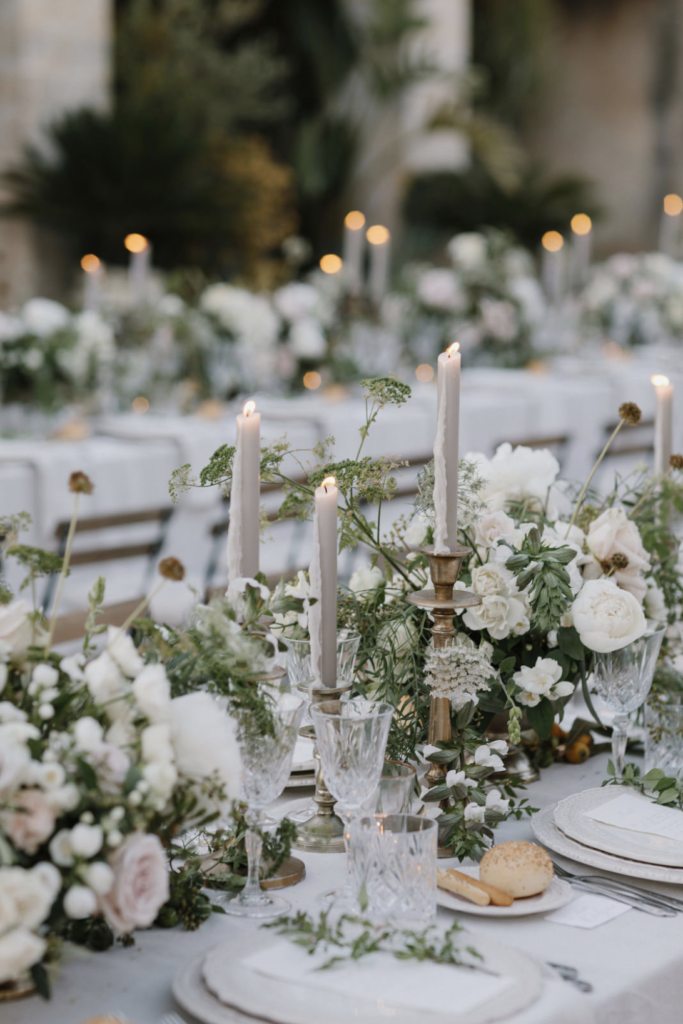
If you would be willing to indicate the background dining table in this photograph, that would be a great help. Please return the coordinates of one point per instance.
(634, 962)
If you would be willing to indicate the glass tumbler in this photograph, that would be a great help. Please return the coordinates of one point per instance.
(393, 867)
(664, 733)
(623, 679)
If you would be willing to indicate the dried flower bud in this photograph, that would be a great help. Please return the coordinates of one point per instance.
(172, 569)
(80, 483)
(619, 561)
(630, 412)
(676, 461)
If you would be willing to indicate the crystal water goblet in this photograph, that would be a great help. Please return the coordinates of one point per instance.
(351, 737)
(266, 764)
(623, 679)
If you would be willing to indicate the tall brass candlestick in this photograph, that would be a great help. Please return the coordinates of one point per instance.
(443, 602)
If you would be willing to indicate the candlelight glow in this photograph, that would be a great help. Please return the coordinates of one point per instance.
(377, 234)
(329, 481)
(135, 243)
(424, 373)
(673, 205)
(312, 380)
(452, 349)
(331, 264)
(249, 408)
(581, 224)
(354, 220)
(90, 263)
(139, 405)
(552, 241)
(659, 380)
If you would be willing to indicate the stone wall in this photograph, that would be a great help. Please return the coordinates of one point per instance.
(612, 111)
(54, 56)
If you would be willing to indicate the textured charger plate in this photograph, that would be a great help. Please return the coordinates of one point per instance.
(556, 895)
(281, 1002)
(571, 818)
(547, 833)
(301, 780)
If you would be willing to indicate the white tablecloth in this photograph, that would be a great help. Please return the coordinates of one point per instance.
(635, 962)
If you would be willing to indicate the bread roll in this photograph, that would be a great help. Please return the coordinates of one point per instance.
(522, 869)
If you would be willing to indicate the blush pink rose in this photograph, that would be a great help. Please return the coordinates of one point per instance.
(140, 886)
(613, 533)
(31, 822)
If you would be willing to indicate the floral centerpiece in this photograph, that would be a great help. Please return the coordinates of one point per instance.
(487, 296)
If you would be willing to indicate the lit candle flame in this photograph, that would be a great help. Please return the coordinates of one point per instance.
(354, 220)
(581, 224)
(90, 263)
(452, 349)
(552, 241)
(249, 408)
(329, 481)
(659, 380)
(673, 205)
(377, 234)
(135, 243)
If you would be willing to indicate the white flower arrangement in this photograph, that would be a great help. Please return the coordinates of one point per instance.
(460, 671)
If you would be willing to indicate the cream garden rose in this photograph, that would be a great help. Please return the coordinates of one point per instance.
(140, 886)
(613, 533)
(606, 617)
(16, 629)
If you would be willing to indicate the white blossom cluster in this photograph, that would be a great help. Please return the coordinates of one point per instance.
(460, 671)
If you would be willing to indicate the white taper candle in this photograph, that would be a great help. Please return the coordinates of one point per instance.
(664, 397)
(446, 451)
(354, 247)
(380, 253)
(140, 250)
(322, 618)
(670, 225)
(245, 513)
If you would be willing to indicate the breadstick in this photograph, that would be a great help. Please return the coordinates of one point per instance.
(498, 897)
(462, 885)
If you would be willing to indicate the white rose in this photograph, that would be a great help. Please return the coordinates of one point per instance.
(88, 734)
(60, 848)
(205, 741)
(10, 712)
(654, 603)
(20, 949)
(493, 526)
(86, 840)
(30, 822)
(104, 680)
(473, 812)
(99, 877)
(607, 618)
(16, 629)
(492, 579)
(124, 652)
(50, 877)
(80, 902)
(140, 886)
(31, 895)
(499, 615)
(417, 531)
(366, 579)
(152, 691)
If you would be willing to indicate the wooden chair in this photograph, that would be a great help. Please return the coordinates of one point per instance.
(638, 440)
(148, 549)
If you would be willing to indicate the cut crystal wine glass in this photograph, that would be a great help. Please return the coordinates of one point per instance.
(623, 679)
(266, 764)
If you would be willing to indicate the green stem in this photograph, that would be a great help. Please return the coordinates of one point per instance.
(592, 474)
(63, 574)
(651, 488)
(137, 612)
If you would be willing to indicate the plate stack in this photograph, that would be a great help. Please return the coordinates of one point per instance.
(615, 829)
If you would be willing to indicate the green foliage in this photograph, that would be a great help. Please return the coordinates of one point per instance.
(356, 937)
(656, 784)
(95, 600)
(37, 561)
(542, 569)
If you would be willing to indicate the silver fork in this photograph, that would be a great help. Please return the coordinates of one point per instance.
(661, 906)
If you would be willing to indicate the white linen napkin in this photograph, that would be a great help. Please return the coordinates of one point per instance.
(639, 814)
(588, 911)
(381, 978)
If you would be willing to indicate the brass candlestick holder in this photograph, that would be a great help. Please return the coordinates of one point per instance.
(323, 832)
(443, 602)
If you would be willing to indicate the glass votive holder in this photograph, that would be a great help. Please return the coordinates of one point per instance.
(299, 659)
(395, 790)
(664, 733)
(392, 867)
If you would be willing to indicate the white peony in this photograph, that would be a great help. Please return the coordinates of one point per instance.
(416, 533)
(31, 894)
(493, 578)
(124, 652)
(494, 526)
(16, 628)
(205, 742)
(366, 579)
(516, 474)
(468, 250)
(20, 949)
(44, 317)
(439, 288)
(607, 618)
(152, 691)
(500, 616)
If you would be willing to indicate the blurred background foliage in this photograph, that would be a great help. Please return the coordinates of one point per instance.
(235, 123)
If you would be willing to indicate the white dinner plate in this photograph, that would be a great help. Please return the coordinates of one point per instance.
(571, 817)
(547, 833)
(218, 989)
(556, 895)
